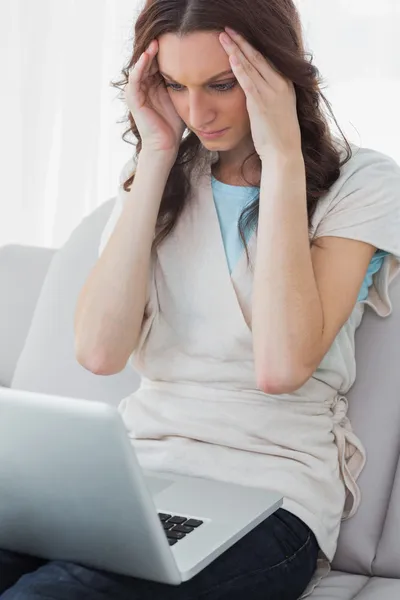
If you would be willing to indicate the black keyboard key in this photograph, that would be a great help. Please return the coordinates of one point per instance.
(193, 523)
(176, 535)
(177, 527)
(183, 528)
(177, 520)
(163, 516)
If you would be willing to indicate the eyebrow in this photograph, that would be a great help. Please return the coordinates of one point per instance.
(213, 78)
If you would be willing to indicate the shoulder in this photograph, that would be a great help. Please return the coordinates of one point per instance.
(365, 168)
(367, 189)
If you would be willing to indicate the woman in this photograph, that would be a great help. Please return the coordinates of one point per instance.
(244, 337)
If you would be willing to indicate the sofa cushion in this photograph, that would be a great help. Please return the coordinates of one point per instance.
(47, 362)
(339, 586)
(387, 561)
(374, 411)
(379, 588)
(342, 586)
(22, 272)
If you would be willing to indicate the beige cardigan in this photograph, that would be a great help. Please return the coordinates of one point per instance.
(198, 410)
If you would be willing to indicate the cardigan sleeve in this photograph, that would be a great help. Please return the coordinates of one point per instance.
(364, 205)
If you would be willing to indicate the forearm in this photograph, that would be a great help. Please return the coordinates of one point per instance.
(287, 320)
(111, 305)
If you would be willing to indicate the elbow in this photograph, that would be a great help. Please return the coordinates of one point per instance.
(98, 367)
(89, 363)
(282, 385)
(96, 364)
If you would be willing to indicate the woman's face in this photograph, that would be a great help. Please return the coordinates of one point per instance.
(187, 65)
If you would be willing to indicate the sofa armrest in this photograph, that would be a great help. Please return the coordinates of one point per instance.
(22, 273)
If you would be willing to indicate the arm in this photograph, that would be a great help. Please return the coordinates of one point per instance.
(111, 305)
(302, 297)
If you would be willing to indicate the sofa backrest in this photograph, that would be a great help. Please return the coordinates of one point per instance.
(47, 362)
(369, 542)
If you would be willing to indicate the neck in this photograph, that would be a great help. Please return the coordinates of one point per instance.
(232, 169)
(239, 172)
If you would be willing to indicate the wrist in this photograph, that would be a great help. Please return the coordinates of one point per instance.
(281, 166)
(277, 159)
(161, 159)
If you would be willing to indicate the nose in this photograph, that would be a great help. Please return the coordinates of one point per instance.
(201, 111)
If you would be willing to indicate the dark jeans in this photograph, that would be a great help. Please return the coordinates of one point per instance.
(275, 561)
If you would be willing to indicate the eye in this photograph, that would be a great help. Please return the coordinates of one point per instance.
(224, 87)
(173, 86)
(217, 87)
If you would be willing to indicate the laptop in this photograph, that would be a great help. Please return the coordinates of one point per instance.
(72, 489)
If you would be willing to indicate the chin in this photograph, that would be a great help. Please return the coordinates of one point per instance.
(218, 145)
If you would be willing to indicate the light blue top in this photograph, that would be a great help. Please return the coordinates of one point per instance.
(229, 211)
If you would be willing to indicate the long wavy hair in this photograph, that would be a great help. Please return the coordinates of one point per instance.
(273, 27)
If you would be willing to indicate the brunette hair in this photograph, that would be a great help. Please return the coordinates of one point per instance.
(273, 28)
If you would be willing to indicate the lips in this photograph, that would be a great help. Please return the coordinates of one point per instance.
(212, 132)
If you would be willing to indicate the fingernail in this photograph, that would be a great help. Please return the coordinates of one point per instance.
(230, 31)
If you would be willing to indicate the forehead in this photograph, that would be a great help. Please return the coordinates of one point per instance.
(193, 58)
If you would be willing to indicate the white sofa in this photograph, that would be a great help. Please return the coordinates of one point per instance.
(40, 288)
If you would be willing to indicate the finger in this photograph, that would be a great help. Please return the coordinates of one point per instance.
(136, 72)
(153, 68)
(151, 52)
(144, 65)
(259, 62)
(136, 76)
(249, 78)
(250, 83)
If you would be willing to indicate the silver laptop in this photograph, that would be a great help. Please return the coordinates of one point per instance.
(72, 489)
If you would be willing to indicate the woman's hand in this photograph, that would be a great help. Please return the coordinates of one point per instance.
(271, 99)
(158, 123)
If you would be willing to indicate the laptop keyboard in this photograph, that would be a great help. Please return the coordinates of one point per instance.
(176, 527)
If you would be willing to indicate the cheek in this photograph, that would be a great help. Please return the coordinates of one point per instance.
(178, 104)
(238, 106)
